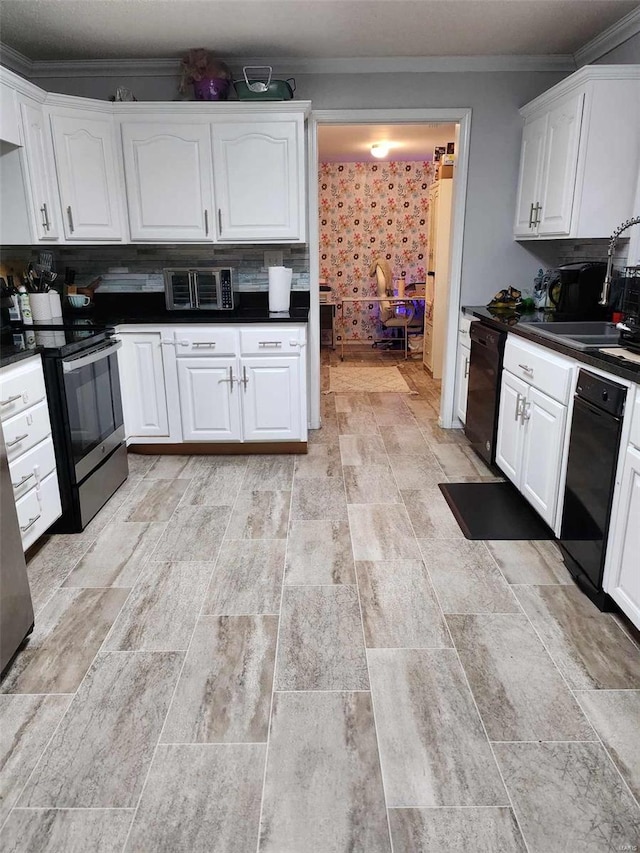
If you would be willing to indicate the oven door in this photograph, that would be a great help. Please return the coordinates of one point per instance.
(94, 406)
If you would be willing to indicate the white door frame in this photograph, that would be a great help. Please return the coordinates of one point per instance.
(458, 115)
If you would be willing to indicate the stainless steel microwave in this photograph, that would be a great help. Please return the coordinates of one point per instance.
(204, 289)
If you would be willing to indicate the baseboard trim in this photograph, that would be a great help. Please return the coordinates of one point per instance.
(223, 448)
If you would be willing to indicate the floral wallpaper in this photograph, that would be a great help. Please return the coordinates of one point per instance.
(367, 210)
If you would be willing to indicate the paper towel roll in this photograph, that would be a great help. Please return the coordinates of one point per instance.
(40, 308)
(279, 288)
(55, 304)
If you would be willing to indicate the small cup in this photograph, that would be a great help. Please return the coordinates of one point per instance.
(78, 300)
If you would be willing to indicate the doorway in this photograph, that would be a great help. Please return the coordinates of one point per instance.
(335, 125)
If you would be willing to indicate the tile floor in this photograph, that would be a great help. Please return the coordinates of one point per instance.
(304, 655)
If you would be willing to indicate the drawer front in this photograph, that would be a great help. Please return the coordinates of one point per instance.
(21, 386)
(32, 467)
(268, 340)
(38, 509)
(206, 340)
(24, 431)
(634, 438)
(537, 366)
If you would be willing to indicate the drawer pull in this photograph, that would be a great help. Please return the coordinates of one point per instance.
(197, 344)
(174, 343)
(32, 521)
(275, 344)
(11, 399)
(23, 480)
(526, 368)
(18, 439)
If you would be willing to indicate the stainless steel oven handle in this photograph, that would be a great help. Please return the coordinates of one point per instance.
(97, 355)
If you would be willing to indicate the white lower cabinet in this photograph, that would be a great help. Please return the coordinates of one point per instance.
(26, 429)
(532, 424)
(176, 388)
(271, 398)
(209, 399)
(142, 383)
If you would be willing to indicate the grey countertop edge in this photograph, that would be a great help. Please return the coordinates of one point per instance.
(252, 318)
(608, 363)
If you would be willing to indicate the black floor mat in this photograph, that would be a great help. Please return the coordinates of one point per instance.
(493, 511)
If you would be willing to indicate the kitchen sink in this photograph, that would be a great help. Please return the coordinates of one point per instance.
(581, 335)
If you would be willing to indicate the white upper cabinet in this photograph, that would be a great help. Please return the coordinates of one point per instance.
(259, 179)
(169, 180)
(580, 155)
(40, 173)
(88, 178)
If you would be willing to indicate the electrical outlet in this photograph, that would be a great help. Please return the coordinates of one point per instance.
(273, 258)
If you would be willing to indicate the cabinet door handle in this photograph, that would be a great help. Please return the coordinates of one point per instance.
(538, 212)
(526, 368)
(230, 380)
(23, 480)
(11, 399)
(17, 440)
(30, 523)
(220, 221)
(245, 378)
(70, 215)
(45, 217)
(466, 367)
(526, 410)
(275, 344)
(206, 222)
(531, 219)
(519, 399)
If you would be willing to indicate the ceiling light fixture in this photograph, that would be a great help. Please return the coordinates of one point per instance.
(380, 149)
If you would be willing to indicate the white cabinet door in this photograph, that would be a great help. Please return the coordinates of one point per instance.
(209, 399)
(169, 180)
(531, 160)
(560, 165)
(625, 536)
(142, 381)
(41, 179)
(510, 433)
(462, 381)
(544, 425)
(271, 399)
(88, 177)
(259, 180)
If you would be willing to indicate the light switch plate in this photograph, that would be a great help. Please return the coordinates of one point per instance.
(273, 258)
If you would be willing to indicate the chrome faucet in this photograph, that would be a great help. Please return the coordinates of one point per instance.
(606, 285)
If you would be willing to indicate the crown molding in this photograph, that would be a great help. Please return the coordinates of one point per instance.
(15, 61)
(609, 39)
(289, 66)
(577, 81)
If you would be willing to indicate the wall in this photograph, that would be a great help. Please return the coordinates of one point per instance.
(369, 210)
(492, 260)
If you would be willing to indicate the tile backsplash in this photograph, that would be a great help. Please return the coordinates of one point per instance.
(138, 268)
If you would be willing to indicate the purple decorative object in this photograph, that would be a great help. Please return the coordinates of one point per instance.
(211, 89)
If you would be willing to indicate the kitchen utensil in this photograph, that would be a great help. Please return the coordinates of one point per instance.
(260, 87)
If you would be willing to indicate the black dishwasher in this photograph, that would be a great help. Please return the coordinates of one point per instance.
(483, 396)
(591, 470)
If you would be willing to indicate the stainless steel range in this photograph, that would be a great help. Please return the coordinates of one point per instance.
(83, 389)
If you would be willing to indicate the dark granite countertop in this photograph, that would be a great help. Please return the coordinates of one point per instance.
(115, 309)
(11, 354)
(524, 325)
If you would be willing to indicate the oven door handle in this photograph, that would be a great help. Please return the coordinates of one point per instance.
(96, 355)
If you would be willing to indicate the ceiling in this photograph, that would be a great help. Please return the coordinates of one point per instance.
(347, 143)
(311, 29)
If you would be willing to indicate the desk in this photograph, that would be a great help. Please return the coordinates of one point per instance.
(393, 301)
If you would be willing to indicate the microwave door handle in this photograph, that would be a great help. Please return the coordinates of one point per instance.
(97, 355)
